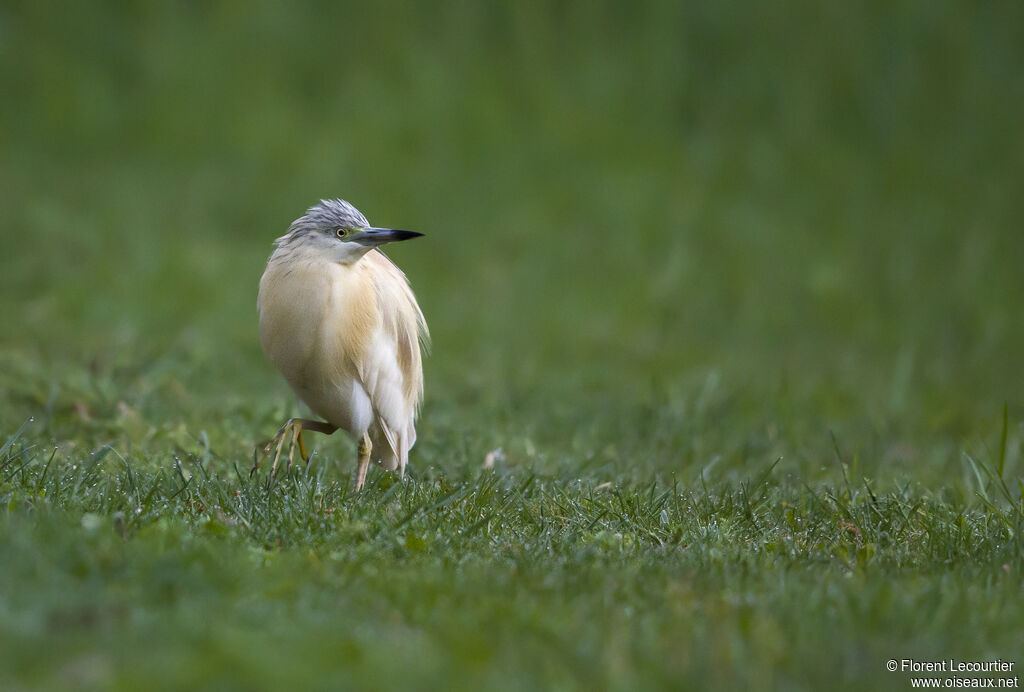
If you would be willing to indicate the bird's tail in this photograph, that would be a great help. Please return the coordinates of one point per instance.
(391, 448)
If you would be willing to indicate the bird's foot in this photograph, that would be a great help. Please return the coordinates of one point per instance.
(293, 429)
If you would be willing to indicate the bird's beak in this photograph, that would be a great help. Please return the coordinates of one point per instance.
(378, 236)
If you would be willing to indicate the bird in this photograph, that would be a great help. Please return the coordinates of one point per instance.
(340, 322)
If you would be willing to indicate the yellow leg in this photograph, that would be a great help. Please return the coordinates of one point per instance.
(296, 435)
(365, 447)
(294, 426)
(277, 455)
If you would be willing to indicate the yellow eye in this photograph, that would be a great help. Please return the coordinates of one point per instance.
(341, 231)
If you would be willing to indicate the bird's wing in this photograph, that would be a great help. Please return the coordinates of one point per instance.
(402, 322)
(392, 370)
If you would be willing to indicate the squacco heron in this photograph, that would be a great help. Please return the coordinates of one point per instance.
(341, 323)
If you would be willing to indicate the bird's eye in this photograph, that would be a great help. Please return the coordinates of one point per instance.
(341, 231)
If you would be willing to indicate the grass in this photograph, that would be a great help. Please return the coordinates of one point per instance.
(496, 579)
(136, 570)
(731, 295)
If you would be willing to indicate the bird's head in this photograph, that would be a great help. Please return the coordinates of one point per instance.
(337, 229)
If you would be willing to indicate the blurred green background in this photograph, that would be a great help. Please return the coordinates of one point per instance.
(816, 201)
(820, 204)
(664, 239)
(613, 192)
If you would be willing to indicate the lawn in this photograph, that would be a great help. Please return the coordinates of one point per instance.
(730, 295)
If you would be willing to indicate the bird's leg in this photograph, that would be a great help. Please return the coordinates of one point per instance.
(365, 447)
(296, 435)
(295, 426)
